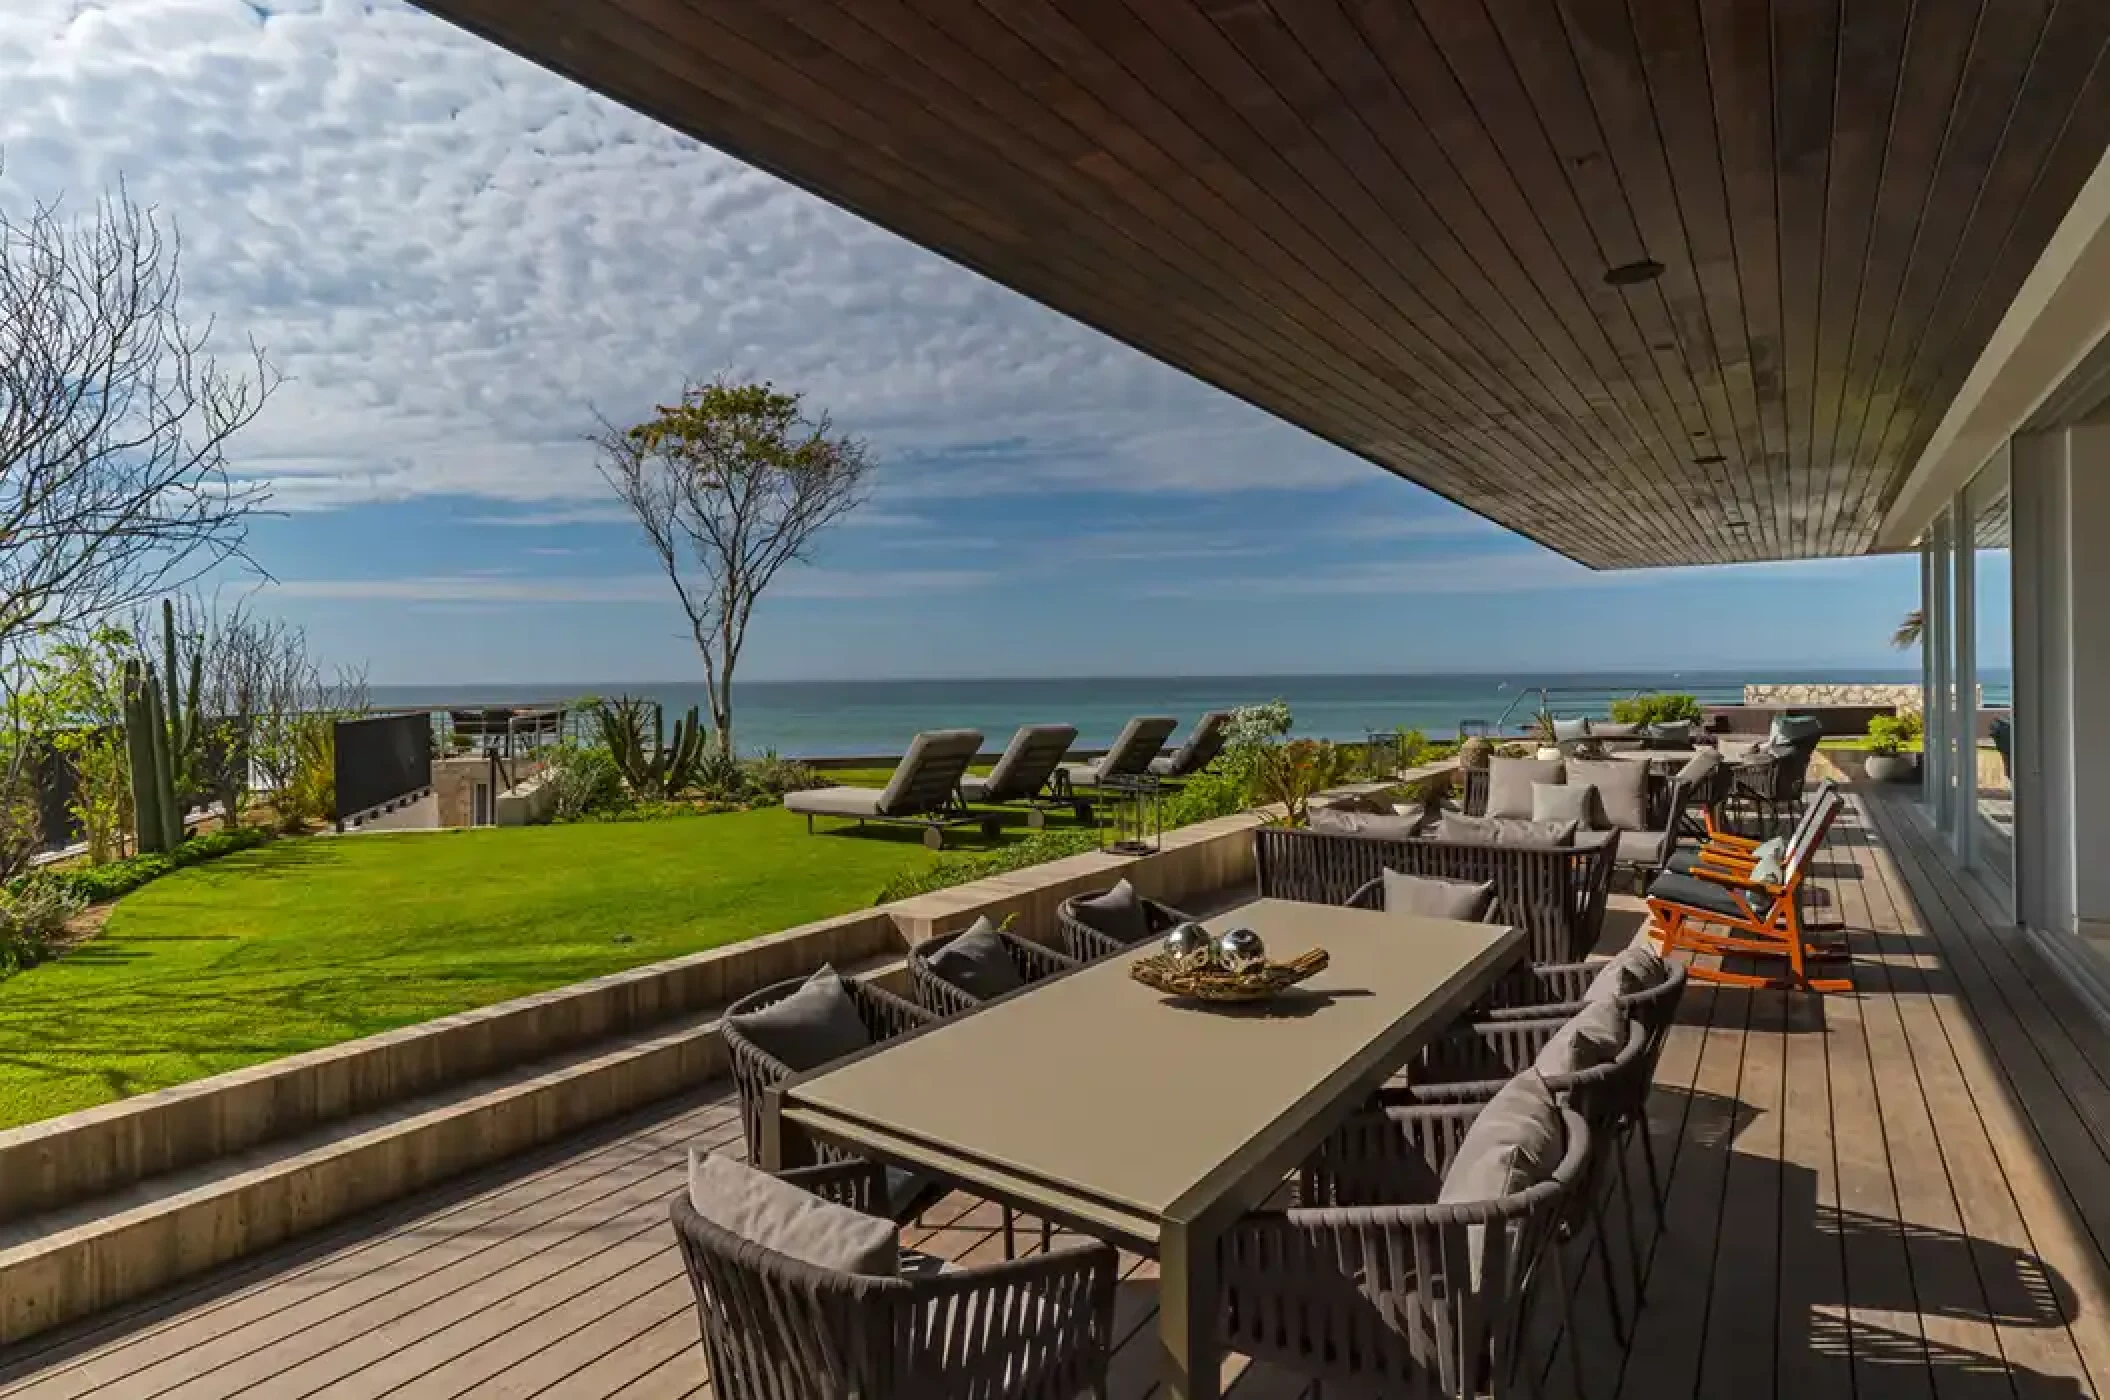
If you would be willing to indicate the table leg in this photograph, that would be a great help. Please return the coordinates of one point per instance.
(1190, 1354)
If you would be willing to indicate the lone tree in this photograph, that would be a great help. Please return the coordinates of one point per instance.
(730, 485)
(114, 421)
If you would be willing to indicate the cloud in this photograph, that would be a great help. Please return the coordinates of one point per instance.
(507, 587)
(610, 514)
(456, 256)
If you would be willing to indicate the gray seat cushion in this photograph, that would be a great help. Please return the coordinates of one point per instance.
(1503, 831)
(1568, 730)
(1695, 893)
(834, 801)
(1635, 968)
(1611, 730)
(1118, 913)
(1509, 783)
(780, 1216)
(1564, 802)
(1593, 1036)
(977, 962)
(1428, 898)
(1639, 847)
(1389, 826)
(814, 1025)
(1622, 790)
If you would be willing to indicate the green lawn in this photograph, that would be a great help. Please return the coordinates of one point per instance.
(300, 944)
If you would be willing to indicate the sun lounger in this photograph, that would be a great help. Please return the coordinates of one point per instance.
(924, 791)
(1026, 773)
(1138, 744)
(1204, 742)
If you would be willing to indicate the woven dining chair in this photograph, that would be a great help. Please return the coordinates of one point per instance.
(775, 1327)
(1473, 1063)
(755, 1070)
(944, 997)
(1083, 942)
(1369, 1282)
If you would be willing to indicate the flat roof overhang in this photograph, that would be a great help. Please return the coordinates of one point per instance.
(1689, 282)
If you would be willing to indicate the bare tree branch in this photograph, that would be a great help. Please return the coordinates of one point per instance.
(114, 421)
(729, 486)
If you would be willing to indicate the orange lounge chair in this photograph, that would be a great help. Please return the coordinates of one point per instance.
(1751, 911)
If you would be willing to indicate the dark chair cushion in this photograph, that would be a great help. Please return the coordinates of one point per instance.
(814, 1025)
(1695, 893)
(1118, 913)
(978, 962)
(780, 1216)
(1515, 1143)
(1635, 968)
(1429, 898)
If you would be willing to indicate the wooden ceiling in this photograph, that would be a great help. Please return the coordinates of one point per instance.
(1391, 222)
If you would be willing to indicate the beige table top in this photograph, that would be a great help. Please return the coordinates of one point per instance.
(1109, 1100)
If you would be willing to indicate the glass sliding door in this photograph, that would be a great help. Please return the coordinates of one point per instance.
(1990, 740)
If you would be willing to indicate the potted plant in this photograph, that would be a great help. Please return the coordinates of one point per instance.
(1888, 759)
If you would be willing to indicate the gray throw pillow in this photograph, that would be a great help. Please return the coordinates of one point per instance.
(1793, 730)
(1427, 898)
(1118, 913)
(814, 1025)
(1503, 831)
(1515, 1143)
(1610, 730)
(1386, 826)
(780, 1216)
(1635, 968)
(1564, 802)
(1568, 730)
(1622, 791)
(978, 962)
(1509, 783)
(1593, 1036)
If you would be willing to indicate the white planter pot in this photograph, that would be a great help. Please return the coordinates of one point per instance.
(1892, 767)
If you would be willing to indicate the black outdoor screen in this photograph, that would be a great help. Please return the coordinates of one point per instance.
(382, 758)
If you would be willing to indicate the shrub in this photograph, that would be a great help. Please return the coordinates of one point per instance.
(585, 780)
(1290, 775)
(1656, 709)
(770, 776)
(33, 921)
(97, 883)
(1889, 734)
(719, 776)
(1205, 797)
(949, 870)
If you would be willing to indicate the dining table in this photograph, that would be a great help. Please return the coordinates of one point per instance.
(1148, 1120)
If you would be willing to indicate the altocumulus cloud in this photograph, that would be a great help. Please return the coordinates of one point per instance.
(453, 253)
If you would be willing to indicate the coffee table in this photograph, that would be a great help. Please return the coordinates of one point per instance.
(1097, 1102)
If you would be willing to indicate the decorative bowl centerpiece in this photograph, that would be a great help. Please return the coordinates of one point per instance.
(1230, 966)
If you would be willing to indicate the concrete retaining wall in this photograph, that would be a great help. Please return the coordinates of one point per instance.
(527, 804)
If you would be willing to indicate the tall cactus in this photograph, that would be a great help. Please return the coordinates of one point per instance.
(157, 819)
(182, 716)
(657, 768)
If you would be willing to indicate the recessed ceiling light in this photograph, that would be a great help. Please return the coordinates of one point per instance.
(1709, 459)
(1634, 273)
(1737, 524)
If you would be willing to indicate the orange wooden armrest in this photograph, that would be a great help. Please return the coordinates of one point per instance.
(1734, 882)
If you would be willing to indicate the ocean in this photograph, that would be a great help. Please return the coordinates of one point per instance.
(820, 719)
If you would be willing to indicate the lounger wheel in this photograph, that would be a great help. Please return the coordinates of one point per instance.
(992, 827)
(1035, 818)
(934, 837)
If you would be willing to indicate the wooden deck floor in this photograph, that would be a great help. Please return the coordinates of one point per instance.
(1902, 1193)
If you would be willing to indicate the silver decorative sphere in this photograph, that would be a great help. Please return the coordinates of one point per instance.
(1240, 950)
(1190, 945)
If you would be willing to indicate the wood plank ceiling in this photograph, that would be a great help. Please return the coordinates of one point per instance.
(1391, 222)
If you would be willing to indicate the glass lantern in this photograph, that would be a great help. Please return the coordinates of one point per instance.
(1134, 814)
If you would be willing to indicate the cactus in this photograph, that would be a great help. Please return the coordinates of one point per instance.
(181, 715)
(656, 769)
(157, 819)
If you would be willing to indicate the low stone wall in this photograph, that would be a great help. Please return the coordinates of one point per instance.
(1877, 695)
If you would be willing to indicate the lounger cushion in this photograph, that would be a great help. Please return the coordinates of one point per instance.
(1593, 1036)
(790, 1220)
(1428, 898)
(1635, 968)
(1695, 893)
(1383, 826)
(1118, 913)
(1509, 783)
(1503, 831)
(1564, 802)
(1622, 790)
(930, 772)
(978, 962)
(1609, 730)
(1082, 774)
(834, 801)
(1568, 730)
(814, 1025)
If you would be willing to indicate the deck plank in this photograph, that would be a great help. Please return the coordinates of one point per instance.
(1903, 1192)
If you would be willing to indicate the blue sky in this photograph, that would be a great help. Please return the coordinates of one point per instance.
(456, 257)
